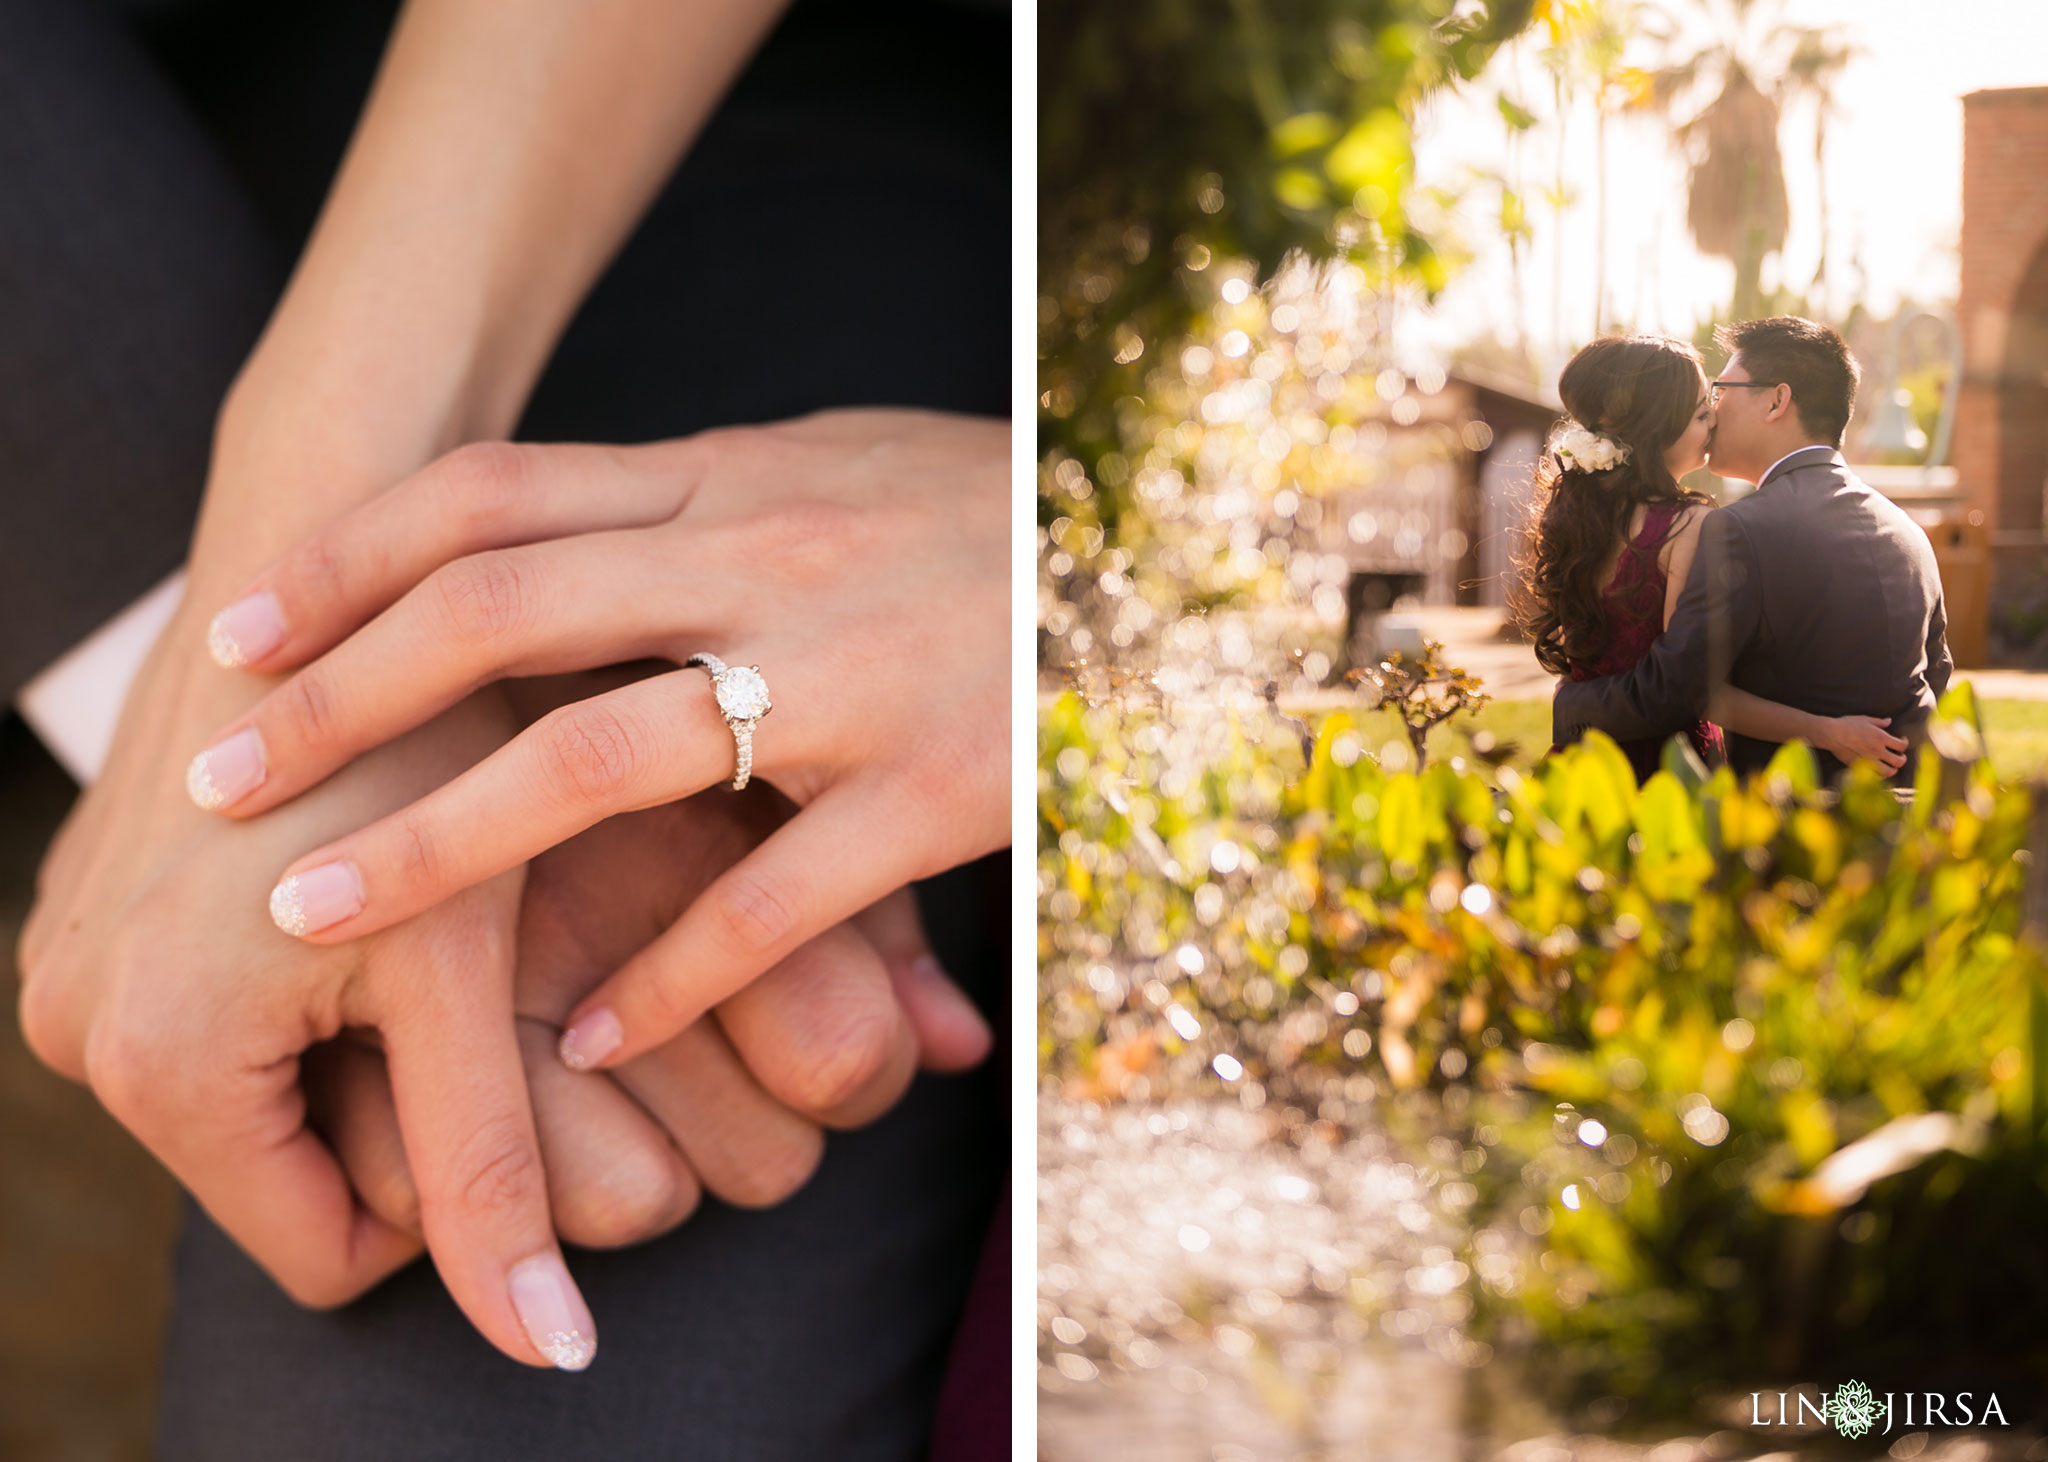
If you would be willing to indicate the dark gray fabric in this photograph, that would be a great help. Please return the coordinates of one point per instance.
(133, 279)
(1813, 591)
(839, 236)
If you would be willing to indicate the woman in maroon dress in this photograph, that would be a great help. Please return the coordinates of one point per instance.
(1615, 535)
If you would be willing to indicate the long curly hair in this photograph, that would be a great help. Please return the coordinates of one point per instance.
(1640, 391)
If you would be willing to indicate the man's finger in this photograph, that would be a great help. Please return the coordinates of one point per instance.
(614, 1177)
(951, 1033)
(348, 1102)
(824, 865)
(744, 1145)
(823, 1032)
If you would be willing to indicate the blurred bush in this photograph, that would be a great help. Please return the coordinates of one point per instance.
(1177, 132)
(1280, 415)
(1735, 1079)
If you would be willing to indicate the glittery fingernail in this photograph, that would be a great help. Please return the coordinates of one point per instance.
(551, 1309)
(246, 630)
(227, 771)
(305, 903)
(590, 1040)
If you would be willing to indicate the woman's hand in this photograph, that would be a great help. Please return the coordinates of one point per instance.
(859, 558)
(150, 972)
(1863, 738)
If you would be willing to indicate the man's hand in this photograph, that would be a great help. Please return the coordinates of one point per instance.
(735, 1105)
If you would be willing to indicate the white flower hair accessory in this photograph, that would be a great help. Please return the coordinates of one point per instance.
(1587, 451)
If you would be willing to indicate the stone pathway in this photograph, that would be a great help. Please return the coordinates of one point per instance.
(1198, 1283)
(1203, 1294)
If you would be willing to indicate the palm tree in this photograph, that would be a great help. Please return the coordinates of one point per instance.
(1584, 53)
(1609, 24)
(1587, 41)
(1819, 56)
(1753, 67)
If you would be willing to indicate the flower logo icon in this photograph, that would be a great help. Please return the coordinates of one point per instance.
(1852, 1409)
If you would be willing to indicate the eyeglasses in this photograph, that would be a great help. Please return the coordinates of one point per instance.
(1715, 388)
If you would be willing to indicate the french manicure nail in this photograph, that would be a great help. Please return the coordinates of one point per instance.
(246, 630)
(552, 1311)
(227, 771)
(590, 1040)
(308, 902)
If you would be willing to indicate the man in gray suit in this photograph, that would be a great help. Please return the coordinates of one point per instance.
(1813, 590)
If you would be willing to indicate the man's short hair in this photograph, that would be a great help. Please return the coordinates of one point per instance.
(1810, 358)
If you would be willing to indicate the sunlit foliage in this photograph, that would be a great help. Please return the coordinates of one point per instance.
(1701, 1045)
(1224, 490)
(1173, 133)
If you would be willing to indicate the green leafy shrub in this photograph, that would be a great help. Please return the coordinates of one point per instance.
(1728, 1069)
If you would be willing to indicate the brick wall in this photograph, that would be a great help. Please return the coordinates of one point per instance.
(2001, 441)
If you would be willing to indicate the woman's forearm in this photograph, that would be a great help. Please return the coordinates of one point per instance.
(507, 149)
(1753, 716)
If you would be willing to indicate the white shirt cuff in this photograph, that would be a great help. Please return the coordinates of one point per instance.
(75, 703)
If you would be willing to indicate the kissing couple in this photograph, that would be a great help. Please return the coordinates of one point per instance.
(1809, 609)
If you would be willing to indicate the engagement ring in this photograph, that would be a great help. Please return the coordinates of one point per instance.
(742, 700)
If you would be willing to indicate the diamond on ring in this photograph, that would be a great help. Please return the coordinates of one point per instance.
(742, 699)
(742, 693)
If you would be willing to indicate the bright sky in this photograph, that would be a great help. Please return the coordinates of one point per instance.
(1894, 171)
